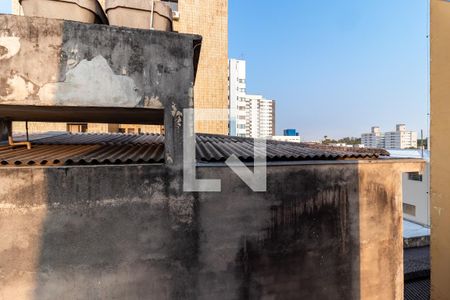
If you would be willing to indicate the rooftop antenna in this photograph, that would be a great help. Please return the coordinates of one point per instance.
(422, 146)
(153, 12)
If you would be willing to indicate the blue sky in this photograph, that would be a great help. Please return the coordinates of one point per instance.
(335, 67)
(5, 6)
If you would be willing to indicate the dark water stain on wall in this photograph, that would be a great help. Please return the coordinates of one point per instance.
(305, 252)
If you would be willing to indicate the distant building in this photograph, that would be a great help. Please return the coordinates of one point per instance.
(286, 138)
(374, 139)
(250, 115)
(290, 132)
(398, 139)
(237, 93)
(289, 135)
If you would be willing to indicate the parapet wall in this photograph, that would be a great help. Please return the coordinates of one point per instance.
(49, 62)
(129, 232)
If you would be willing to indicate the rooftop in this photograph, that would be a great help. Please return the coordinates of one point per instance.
(86, 149)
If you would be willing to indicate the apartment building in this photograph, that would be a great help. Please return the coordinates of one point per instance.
(210, 20)
(250, 115)
(401, 138)
(237, 91)
(374, 139)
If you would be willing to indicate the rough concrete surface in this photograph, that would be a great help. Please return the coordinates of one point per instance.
(92, 65)
(322, 231)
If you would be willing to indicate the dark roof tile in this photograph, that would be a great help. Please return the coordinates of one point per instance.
(69, 149)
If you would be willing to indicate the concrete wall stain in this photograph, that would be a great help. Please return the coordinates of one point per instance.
(130, 231)
(89, 82)
(9, 46)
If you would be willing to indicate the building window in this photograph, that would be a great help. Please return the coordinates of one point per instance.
(172, 3)
(409, 209)
(415, 176)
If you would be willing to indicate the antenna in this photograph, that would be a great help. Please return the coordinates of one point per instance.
(421, 141)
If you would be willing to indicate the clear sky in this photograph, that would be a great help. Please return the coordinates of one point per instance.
(336, 68)
(5, 6)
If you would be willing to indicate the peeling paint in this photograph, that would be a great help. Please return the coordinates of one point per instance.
(9, 46)
(191, 95)
(178, 115)
(169, 159)
(18, 89)
(91, 83)
(438, 209)
(152, 102)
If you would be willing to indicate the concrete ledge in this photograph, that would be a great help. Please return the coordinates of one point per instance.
(88, 65)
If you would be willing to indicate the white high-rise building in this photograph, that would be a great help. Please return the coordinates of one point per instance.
(250, 115)
(398, 139)
(374, 139)
(237, 93)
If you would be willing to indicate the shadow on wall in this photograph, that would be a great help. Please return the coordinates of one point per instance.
(129, 232)
(117, 233)
(300, 240)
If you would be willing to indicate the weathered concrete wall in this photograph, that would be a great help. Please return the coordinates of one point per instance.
(85, 72)
(88, 65)
(320, 231)
(95, 233)
(440, 143)
(297, 241)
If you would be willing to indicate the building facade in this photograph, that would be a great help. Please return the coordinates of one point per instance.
(440, 145)
(289, 135)
(250, 115)
(415, 188)
(204, 17)
(255, 117)
(374, 139)
(286, 138)
(401, 138)
(290, 132)
(237, 91)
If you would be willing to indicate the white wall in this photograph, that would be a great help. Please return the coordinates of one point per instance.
(416, 193)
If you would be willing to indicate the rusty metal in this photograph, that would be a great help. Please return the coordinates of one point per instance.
(11, 141)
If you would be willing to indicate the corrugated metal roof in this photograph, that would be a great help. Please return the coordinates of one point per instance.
(219, 148)
(417, 290)
(79, 149)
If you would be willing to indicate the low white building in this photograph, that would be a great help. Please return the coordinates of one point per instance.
(415, 189)
(284, 138)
